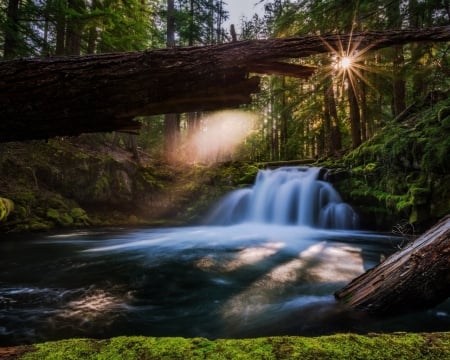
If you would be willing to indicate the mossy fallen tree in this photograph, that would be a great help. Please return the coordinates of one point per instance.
(343, 346)
(59, 96)
(414, 278)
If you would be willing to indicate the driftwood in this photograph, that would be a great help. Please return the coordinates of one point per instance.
(415, 278)
(42, 98)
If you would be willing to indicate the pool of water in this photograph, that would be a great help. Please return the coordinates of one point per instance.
(235, 281)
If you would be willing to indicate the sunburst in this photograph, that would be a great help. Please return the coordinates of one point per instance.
(348, 63)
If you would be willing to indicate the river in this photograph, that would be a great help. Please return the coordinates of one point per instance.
(243, 279)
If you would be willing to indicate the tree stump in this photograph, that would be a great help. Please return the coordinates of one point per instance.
(413, 279)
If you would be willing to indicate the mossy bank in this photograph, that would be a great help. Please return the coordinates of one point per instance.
(400, 178)
(343, 346)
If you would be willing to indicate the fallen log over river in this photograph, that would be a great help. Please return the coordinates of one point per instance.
(63, 96)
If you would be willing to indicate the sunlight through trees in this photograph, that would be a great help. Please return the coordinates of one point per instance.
(350, 96)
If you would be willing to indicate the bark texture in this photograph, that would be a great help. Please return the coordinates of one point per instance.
(42, 98)
(413, 279)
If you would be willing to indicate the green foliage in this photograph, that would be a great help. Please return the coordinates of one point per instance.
(401, 170)
(99, 26)
(342, 346)
(319, 125)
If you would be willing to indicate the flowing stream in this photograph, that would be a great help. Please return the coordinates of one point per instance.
(257, 269)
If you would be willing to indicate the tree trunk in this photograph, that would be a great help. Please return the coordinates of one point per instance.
(171, 120)
(60, 96)
(399, 84)
(334, 138)
(61, 28)
(10, 46)
(74, 27)
(355, 116)
(415, 278)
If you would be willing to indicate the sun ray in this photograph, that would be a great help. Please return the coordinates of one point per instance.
(348, 62)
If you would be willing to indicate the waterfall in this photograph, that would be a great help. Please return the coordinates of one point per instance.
(286, 196)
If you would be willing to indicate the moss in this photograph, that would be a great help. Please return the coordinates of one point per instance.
(79, 216)
(6, 207)
(101, 189)
(58, 217)
(341, 346)
(249, 174)
(398, 173)
(36, 224)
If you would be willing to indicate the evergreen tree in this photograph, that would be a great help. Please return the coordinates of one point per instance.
(377, 86)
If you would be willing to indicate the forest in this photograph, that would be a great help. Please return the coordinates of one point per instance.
(331, 112)
(357, 107)
(377, 118)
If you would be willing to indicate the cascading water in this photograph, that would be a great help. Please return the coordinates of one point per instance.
(286, 196)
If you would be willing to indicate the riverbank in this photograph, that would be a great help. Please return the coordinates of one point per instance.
(341, 346)
(87, 182)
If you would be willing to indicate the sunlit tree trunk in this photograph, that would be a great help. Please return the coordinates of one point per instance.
(171, 121)
(192, 118)
(336, 135)
(355, 116)
(92, 32)
(352, 24)
(332, 127)
(399, 84)
(271, 122)
(419, 85)
(284, 123)
(398, 60)
(364, 112)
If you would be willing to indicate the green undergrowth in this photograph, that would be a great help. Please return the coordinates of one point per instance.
(343, 346)
(403, 171)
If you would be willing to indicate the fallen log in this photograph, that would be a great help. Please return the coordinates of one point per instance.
(413, 279)
(58, 96)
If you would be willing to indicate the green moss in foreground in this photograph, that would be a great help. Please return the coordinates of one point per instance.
(345, 346)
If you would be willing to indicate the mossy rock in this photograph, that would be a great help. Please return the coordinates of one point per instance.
(79, 216)
(6, 207)
(60, 218)
(249, 174)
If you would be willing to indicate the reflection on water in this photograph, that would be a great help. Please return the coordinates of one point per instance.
(247, 256)
(89, 307)
(234, 281)
(314, 268)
